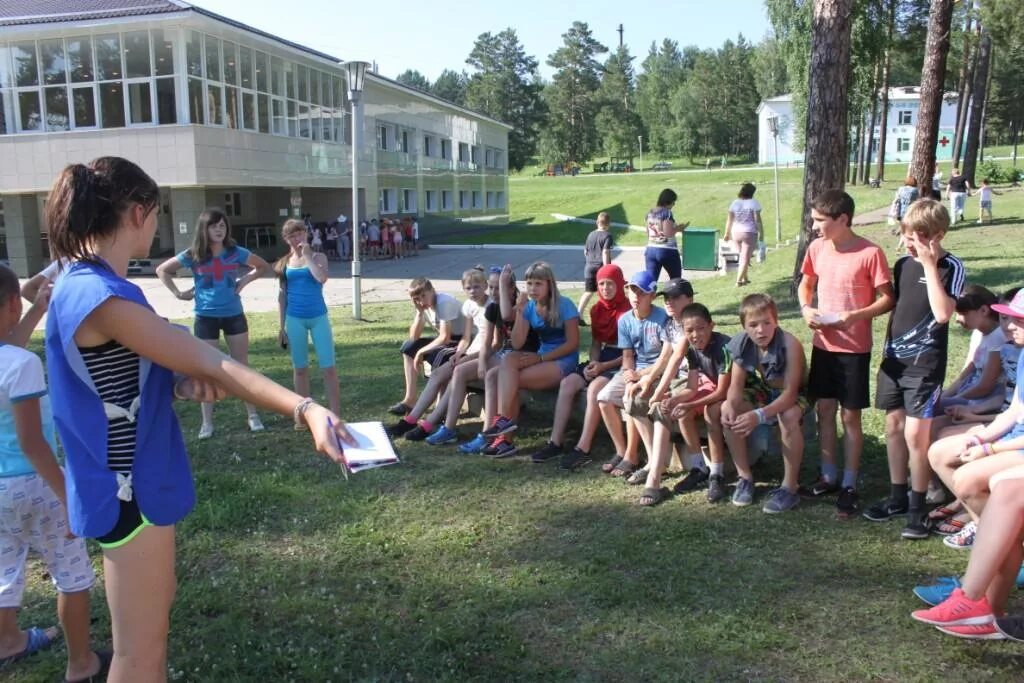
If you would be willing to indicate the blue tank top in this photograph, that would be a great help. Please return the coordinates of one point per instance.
(305, 294)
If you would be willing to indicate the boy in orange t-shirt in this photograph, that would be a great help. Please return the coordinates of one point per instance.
(853, 284)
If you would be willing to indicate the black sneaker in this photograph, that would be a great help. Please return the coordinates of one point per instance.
(1011, 627)
(693, 480)
(848, 504)
(885, 509)
(915, 530)
(500, 448)
(547, 452)
(400, 428)
(716, 488)
(822, 487)
(399, 409)
(417, 433)
(574, 459)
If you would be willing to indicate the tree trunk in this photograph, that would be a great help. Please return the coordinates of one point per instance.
(826, 130)
(963, 92)
(870, 133)
(883, 127)
(854, 170)
(984, 109)
(980, 89)
(933, 73)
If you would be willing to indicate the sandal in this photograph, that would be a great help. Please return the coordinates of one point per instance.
(948, 527)
(651, 497)
(37, 640)
(611, 464)
(942, 512)
(638, 477)
(105, 657)
(624, 469)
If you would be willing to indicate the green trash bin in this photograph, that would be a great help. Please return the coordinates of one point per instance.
(700, 249)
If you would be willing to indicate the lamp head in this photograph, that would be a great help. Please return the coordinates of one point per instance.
(773, 125)
(356, 74)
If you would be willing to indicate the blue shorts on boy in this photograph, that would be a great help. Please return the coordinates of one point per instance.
(31, 516)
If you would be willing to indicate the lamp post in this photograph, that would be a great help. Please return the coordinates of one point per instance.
(773, 127)
(355, 72)
(640, 138)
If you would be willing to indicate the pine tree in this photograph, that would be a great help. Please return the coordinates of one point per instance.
(618, 123)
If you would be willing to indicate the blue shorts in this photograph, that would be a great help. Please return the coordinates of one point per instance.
(299, 330)
(567, 364)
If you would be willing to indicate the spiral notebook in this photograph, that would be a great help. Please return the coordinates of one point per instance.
(373, 449)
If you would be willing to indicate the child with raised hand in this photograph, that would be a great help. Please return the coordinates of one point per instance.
(767, 386)
(474, 283)
(849, 277)
(604, 360)
(700, 394)
(112, 369)
(220, 271)
(444, 315)
(554, 318)
(33, 505)
(302, 313)
(597, 252)
(927, 283)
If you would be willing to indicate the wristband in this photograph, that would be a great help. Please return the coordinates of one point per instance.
(177, 390)
(300, 410)
(761, 417)
(987, 449)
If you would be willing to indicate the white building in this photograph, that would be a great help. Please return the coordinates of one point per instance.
(220, 114)
(901, 124)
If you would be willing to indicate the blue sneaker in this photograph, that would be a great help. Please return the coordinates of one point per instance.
(744, 493)
(443, 436)
(474, 447)
(937, 592)
(780, 500)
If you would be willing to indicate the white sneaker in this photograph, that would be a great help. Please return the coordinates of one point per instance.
(254, 423)
(205, 432)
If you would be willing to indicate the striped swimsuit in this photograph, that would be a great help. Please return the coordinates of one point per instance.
(114, 370)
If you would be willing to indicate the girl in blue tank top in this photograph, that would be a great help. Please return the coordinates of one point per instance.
(302, 273)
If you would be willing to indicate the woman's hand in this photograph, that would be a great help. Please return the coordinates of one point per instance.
(972, 453)
(328, 441)
(201, 391)
(591, 370)
(282, 339)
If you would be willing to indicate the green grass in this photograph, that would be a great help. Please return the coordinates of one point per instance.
(460, 568)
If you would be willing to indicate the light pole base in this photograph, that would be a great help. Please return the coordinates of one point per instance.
(357, 291)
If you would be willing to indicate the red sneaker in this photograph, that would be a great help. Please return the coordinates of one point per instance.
(974, 631)
(957, 610)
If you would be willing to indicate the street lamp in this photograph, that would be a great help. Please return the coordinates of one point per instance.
(773, 128)
(356, 73)
(640, 138)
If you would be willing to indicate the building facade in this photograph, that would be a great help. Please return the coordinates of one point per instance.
(221, 114)
(900, 124)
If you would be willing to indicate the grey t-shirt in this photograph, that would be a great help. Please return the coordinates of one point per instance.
(597, 242)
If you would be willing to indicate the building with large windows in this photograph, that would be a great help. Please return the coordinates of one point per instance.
(220, 114)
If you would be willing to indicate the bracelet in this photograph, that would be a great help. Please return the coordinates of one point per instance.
(300, 410)
(177, 393)
(988, 449)
(761, 417)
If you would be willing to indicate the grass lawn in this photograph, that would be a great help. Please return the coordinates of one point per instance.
(453, 567)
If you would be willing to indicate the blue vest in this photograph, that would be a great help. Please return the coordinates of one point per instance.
(161, 478)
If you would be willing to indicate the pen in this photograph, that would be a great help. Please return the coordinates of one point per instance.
(341, 448)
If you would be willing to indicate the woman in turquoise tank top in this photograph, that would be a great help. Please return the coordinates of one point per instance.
(302, 274)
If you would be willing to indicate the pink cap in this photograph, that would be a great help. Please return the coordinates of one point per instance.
(1014, 309)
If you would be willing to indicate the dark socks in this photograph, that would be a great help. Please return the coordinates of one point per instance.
(917, 500)
(898, 492)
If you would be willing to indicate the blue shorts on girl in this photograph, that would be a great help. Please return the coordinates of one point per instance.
(553, 336)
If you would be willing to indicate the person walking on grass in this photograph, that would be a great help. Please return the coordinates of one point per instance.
(744, 227)
(115, 367)
(220, 271)
(597, 252)
(662, 251)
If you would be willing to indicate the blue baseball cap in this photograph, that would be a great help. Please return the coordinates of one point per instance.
(644, 282)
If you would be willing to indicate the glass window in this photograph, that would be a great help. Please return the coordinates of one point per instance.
(54, 65)
(289, 79)
(6, 78)
(108, 58)
(166, 101)
(327, 124)
(245, 68)
(84, 103)
(230, 63)
(140, 106)
(194, 54)
(163, 52)
(248, 111)
(112, 105)
(339, 94)
(57, 117)
(213, 71)
(304, 131)
(314, 86)
(293, 125)
(28, 107)
(5, 127)
(26, 66)
(79, 58)
(277, 76)
(303, 74)
(136, 54)
(279, 119)
(262, 71)
(264, 113)
(196, 110)
(231, 104)
(214, 105)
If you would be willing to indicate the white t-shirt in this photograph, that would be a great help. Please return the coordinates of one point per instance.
(446, 309)
(475, 312)
(985, 193)
(21, 378)
(415, 230)
(983, 344)
(744, 215)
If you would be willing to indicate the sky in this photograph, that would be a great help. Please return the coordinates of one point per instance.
(432, 35)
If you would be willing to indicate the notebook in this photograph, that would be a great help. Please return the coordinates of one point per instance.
(373, 449)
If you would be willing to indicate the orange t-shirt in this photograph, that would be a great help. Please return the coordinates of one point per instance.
(847, 281)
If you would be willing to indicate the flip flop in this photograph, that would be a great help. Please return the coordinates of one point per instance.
(624, 469)
(942, 512)
(105, 657)
(609, 466)
(653, 497)
(37, 641)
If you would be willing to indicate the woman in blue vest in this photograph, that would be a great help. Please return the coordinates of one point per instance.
(115, 368)
(303, 312)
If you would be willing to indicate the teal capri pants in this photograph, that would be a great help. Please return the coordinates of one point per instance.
(299, 330)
